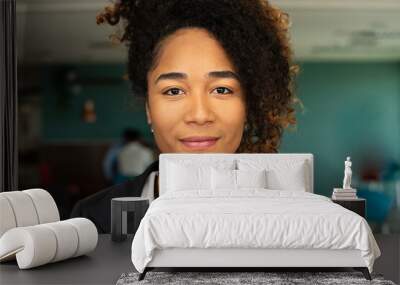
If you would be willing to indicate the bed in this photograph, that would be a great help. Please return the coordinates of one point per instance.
(247, 211)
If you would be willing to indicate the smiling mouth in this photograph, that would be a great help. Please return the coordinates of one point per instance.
(199, 142)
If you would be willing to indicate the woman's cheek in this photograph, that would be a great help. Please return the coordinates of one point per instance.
(167, 121)
(234, 116)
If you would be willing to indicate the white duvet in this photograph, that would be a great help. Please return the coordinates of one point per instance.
(253, 218)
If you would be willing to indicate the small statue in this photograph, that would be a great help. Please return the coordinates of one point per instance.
(347, 174)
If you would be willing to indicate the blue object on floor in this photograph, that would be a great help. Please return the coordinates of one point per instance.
(378, 204)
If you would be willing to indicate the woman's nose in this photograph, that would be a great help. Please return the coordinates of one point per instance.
(200, 110)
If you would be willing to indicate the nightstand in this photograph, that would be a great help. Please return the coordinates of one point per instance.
(120, 207)
(357, 205)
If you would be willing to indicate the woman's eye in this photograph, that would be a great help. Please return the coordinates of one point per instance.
(221, 90)
(174, 91)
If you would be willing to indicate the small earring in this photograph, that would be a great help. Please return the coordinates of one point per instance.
(151, 129)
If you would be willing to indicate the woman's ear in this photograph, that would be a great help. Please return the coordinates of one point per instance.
(148, 116)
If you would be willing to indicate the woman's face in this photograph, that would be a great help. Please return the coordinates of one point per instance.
(195, 100)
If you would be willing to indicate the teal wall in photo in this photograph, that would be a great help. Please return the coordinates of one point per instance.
(115, 106)
(350, 109)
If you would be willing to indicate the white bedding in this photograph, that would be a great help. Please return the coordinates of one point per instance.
(251, 218)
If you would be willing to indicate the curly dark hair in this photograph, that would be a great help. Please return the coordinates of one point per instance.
(253, 33)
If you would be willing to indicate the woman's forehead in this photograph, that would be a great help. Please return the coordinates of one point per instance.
(192, 52)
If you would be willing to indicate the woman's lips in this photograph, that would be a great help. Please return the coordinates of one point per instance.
(199, 142)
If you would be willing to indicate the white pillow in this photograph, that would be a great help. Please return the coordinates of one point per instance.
(281, 174)
(291, 178)
(185, 174)
(223, 179)
(235, 179)
(181, 178)
(251, 178)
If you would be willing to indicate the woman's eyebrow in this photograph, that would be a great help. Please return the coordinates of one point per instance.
(223, 74)
(212, 74)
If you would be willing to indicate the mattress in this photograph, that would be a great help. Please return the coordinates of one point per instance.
(251, 218)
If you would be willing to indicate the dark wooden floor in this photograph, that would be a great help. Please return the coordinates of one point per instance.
(389, 262)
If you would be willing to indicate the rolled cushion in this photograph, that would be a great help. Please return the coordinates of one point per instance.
(87, 233)
(23, 208)
(67, 240)
(7, 218)
(33, 246)
(45, 205)
(40, 244)
(26, 208)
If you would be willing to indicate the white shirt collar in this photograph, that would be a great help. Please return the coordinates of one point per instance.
(148, 188)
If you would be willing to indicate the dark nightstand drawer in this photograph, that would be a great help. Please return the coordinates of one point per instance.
(357, 205)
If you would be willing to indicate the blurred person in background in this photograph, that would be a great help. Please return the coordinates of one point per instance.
(133, 157)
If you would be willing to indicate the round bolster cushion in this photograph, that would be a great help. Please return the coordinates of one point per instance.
(36, 245)
(23, 209)
(45, 205)
(26, 208)
(7, 219)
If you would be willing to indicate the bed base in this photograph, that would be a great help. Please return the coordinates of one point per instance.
(363, 270)
(252, 259)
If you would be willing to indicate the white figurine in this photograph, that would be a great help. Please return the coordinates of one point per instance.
(347, 174)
